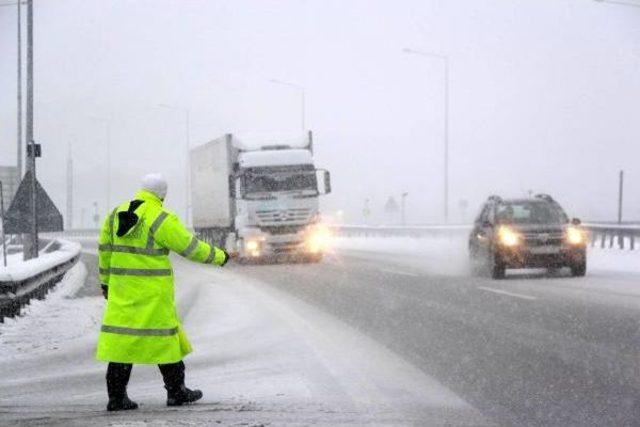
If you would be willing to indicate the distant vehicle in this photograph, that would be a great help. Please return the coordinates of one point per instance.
(527, 233)
(257, 196)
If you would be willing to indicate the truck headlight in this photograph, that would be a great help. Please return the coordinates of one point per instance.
(575, 236)
(253, 247)
(319, 238)
(508, 237)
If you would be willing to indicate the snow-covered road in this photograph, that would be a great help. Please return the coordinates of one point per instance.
(261, 357)
(383, 331)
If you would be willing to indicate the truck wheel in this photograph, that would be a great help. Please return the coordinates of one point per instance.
(497, 269)
(315, 258)
(579, 269)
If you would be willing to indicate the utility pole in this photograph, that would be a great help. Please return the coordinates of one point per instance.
(69, 189)
(19, 128)
(620, 191)
(31, 243)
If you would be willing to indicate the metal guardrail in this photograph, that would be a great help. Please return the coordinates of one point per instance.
(610, 235)
(601, 235)
(16, 292)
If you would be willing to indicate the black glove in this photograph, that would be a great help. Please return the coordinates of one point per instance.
(105, 291)
(226, 257)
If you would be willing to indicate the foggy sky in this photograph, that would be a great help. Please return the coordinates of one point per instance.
(545, 96)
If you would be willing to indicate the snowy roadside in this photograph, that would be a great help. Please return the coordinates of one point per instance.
(17, 269)
(261, 357)
(45, 326)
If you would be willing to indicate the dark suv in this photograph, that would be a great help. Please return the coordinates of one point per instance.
(527, 233)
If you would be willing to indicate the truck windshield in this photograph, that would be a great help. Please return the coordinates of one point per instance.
(529, 212)
(256, 183)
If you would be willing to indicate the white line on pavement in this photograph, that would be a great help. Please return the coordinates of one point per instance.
(511, 294)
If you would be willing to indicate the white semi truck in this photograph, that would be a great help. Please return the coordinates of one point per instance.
(257, 196)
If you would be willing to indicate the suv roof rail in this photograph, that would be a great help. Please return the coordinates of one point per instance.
(545, 197)
(494, 198)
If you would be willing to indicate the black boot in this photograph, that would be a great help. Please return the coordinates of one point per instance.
(182, 396)
(121, 404)
(177, 393)
(117, 379)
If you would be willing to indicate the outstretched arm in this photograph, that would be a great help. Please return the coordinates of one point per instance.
(175, 236)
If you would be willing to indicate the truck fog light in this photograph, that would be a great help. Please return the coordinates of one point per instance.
(253, 247)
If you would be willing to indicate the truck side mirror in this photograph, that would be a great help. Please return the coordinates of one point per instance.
(327, 182)
(232, 186)
(324, 177)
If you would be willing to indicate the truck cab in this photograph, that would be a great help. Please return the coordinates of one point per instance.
(269, 206)
(277, 206)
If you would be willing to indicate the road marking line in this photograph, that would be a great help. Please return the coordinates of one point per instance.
(511, 294)
(403, 273)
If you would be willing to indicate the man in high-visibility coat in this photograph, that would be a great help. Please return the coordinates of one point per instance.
(140, 323)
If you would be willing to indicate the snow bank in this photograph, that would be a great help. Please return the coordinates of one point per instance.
(45, 326)
(17, 269)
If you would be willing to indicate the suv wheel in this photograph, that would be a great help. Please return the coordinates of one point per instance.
(497, 268)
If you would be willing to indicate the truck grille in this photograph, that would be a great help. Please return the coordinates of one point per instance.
(283, 229)
(284, 247)
(284, 215)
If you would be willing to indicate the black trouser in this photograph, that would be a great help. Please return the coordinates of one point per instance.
(118, 377)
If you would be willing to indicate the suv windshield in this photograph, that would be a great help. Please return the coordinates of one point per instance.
(530, 212)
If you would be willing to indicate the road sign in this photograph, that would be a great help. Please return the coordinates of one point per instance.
(18, 218)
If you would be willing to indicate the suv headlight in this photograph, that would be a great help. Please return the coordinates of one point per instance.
(508, 237)
(576, 236)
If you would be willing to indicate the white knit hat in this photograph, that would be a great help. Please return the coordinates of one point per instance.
(156, 184)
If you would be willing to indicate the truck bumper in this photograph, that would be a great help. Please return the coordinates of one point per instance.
(278, 248)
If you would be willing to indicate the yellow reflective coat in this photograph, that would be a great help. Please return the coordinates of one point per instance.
(140, 323)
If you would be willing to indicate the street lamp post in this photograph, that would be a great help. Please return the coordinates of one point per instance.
(19, 100)
(445, 60)
(187, 180)
(302, 98)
